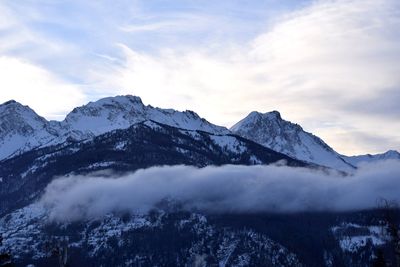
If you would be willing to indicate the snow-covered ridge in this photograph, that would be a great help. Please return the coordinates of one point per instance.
(21, 129)
(121, 112)
(270, 130)
(362, 159)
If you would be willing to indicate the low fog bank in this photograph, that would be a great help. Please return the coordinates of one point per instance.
(238, 189)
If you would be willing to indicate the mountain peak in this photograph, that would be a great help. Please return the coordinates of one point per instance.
(121, 112)
(273, 114)
(12, 104)
(21, 129)
(257, 118)
(13, 110)
(122, 99)
(9, 102)
(121, 102)
(392, 153)
(270, 130)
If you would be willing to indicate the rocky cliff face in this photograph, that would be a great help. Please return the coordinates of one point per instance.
(21, 129)
(270, 130)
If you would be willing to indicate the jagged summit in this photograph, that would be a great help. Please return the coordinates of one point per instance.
(273, 118)
(274, 114)
(15, 117)
(120, 112)
(270, 130)
(115, 101)
(12, 104)
(9, 102)
(123, 102)
(271, 115)
(21, 129)
(392, 153)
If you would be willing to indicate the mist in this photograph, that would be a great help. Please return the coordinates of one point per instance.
(225, 189)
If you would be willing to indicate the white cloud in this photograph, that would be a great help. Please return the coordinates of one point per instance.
(331, 66)
(314, 65)
(237, 189)
(46, 94)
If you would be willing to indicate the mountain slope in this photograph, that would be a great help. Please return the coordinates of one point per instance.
(360, 159)
(172, 236)
(270, 130)
(21, 129)
(142, 145)
(120, 112)
(161, 238)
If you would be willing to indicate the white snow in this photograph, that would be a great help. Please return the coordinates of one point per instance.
(270, 130)
(120, 112)
(229, 143)
(374, 234)
(21, 129)
(363, 159)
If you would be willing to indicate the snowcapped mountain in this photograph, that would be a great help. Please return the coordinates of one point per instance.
(270, 130)
(21, 129)
(143, 145)
(360, 159)
(121, 112)
(121, 134)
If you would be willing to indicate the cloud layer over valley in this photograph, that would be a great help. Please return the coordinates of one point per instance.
(226, 189)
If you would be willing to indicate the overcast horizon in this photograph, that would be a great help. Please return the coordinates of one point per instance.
(331, 66)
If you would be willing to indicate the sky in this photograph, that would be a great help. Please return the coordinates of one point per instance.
(331, 66)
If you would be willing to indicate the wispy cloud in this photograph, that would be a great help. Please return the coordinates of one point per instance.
(315, 64)
(331, 66)
(30, 84)
(149, 27)
(237, 189)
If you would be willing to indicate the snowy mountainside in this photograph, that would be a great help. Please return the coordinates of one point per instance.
(361, 159)
(21, 129)
(160, 238)
(170, 236)
(120, 112)
(270, 130)
(142, 145)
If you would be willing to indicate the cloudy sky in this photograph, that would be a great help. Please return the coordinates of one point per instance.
(332, 66)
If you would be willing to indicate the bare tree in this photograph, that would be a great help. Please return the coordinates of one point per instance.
(390, 210)
(58, 247)
(5, 257)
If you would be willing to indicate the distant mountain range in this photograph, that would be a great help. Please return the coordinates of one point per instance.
(22, 130)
